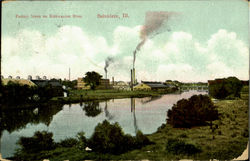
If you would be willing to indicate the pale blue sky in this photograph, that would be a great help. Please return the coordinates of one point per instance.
(209, 39)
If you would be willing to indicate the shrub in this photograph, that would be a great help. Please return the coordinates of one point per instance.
(234, 135)
(81, 140)
(68, 142)
(183, 135)
(177, 146)
(195, 111)
(141, 140)
(109, 138)
(40, 141)
(245, 133)
(226, 88)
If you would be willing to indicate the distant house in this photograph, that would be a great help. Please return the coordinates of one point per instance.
(150, 86)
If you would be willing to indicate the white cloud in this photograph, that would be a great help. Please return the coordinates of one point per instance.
(182, 57)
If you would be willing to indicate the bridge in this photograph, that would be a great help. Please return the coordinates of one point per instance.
(194, 87)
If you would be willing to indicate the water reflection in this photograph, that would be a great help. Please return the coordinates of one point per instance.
(107, 113)
(132, 114)
(133, 111)
(92, 109)
(16, 119)
(150, 99)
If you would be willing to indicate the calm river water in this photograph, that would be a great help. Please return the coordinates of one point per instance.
(145, 114)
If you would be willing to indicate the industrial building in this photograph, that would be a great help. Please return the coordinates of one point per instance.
(81, 84)
(103, 84)
(145, 85)
(121, 85)
(54, 85)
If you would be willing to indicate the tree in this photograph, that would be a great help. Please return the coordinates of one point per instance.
(195, 111)
(40, 141)
(110, 138)
(92, 79)
(227, 87)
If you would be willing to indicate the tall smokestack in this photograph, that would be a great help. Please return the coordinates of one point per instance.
(69, 74)
(131, 83)
(134, 76)
(106, 77)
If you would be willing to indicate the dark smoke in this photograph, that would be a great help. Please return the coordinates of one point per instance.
(108, 61)
(155, 23)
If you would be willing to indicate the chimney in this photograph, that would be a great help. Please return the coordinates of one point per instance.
(113, 81)
(134, 76)
(69, 74)
(131, 83)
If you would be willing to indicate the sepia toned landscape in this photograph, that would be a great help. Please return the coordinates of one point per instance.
(128, 80)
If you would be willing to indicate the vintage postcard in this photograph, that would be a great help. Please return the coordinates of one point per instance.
(124, 80)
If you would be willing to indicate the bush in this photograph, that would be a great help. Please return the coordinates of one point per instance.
(40, 141)
(195, 111)
(81, 140)
(109, 138)
(226, 88)
(177, 146)
(141, 140)
(68, 142)
(245, 133)
(183, 135)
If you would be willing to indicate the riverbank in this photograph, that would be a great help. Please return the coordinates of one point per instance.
(76, 96)
(226, 139)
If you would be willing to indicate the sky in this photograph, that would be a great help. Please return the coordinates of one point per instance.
(206, 40)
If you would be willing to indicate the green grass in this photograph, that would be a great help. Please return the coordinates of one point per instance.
(226, 139)
(89, 95)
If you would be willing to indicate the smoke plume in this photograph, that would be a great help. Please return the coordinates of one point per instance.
(155, 23)
(108, 61)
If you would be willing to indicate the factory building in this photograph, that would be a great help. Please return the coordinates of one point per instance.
(103, 84)
(55, 85)
(81, 84)
(121, 85)
(145, 85)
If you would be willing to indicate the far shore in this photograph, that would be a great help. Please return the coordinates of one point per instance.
(78, 96)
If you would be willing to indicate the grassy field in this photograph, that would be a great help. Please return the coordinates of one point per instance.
(225, 139)
(89, 95)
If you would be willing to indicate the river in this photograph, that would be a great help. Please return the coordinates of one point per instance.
(145, 114)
